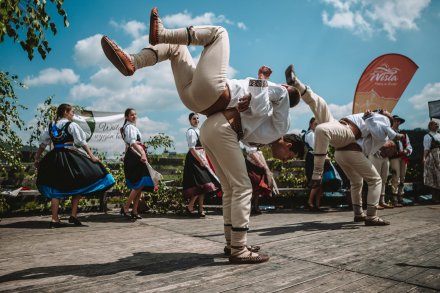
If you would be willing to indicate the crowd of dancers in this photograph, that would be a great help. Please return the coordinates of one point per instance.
(253, 112)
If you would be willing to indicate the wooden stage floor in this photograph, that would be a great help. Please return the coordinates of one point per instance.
(310, 252)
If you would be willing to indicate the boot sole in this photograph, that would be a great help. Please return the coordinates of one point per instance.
(110, 50)
(249, 260)
(154, 33)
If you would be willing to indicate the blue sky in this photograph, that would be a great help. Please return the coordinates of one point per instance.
(329, 41)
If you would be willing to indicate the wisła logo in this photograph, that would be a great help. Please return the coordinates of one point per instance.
(384, 73)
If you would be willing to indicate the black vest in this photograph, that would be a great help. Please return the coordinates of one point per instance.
(60, 135)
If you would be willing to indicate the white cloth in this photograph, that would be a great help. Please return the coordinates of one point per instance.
(192, 134)
(267, 118)
(427, 139)
(309, 138)
(79, 136)
(376, 130)
(131, 133)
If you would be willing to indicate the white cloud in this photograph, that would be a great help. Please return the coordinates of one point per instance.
(242, 26)
(52, 76)
(88, 52)
(148, 127)
(133, 28)
(430, 92)
(340, 111)
(365, 17)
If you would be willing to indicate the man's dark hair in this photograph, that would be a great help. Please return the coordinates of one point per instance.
(297, 144)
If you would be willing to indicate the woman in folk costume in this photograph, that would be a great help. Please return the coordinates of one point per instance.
(314, 201)
(137, 174)
(431, 160)
(65, 171)
(260, 175)
(198, 177)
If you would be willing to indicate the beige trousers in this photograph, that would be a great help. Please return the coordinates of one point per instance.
(199, 86)
(223, 149)
(398, 170)
(356, 165)
(382, 166)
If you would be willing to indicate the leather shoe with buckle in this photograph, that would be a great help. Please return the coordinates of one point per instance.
(251, 258)
(251, 248)
(117, 56)
(376, 221)
(75, 221)
(58, 224)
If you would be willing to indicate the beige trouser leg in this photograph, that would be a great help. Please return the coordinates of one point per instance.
(322, 115)
(382, 166)
(398, 167)
(223, 149)
(198, 86)
(357, 167)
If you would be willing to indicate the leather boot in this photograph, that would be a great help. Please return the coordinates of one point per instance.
(160, 35)
(193, 35)
(240, 254)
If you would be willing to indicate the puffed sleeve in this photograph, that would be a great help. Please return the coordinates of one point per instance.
(310, 139)
(79, 136)
(45, 138)
(427, 142)
(130, 132)
(191, 138)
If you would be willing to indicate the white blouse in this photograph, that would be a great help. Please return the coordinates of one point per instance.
(192, 134)
(427, 139)
(79, 136)
(131, 133)
(309, 138)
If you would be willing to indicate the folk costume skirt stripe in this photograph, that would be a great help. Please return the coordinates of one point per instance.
(197, 179)
(136, 172)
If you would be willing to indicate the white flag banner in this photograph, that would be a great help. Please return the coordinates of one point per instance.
(103, 131)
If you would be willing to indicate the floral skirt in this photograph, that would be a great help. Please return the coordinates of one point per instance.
(431, 171)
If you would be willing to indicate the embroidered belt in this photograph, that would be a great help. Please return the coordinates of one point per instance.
(351, 147)
(258, 83)
(354, 128)
(64, 145)
(234, 119)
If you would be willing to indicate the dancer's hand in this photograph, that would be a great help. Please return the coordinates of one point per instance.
(94, 159)
(144, 159)
(399, 136)
(367, 114)
(243, 103)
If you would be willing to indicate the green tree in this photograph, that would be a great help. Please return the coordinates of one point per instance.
(10, 142)
(25, 21)
(45, 114)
